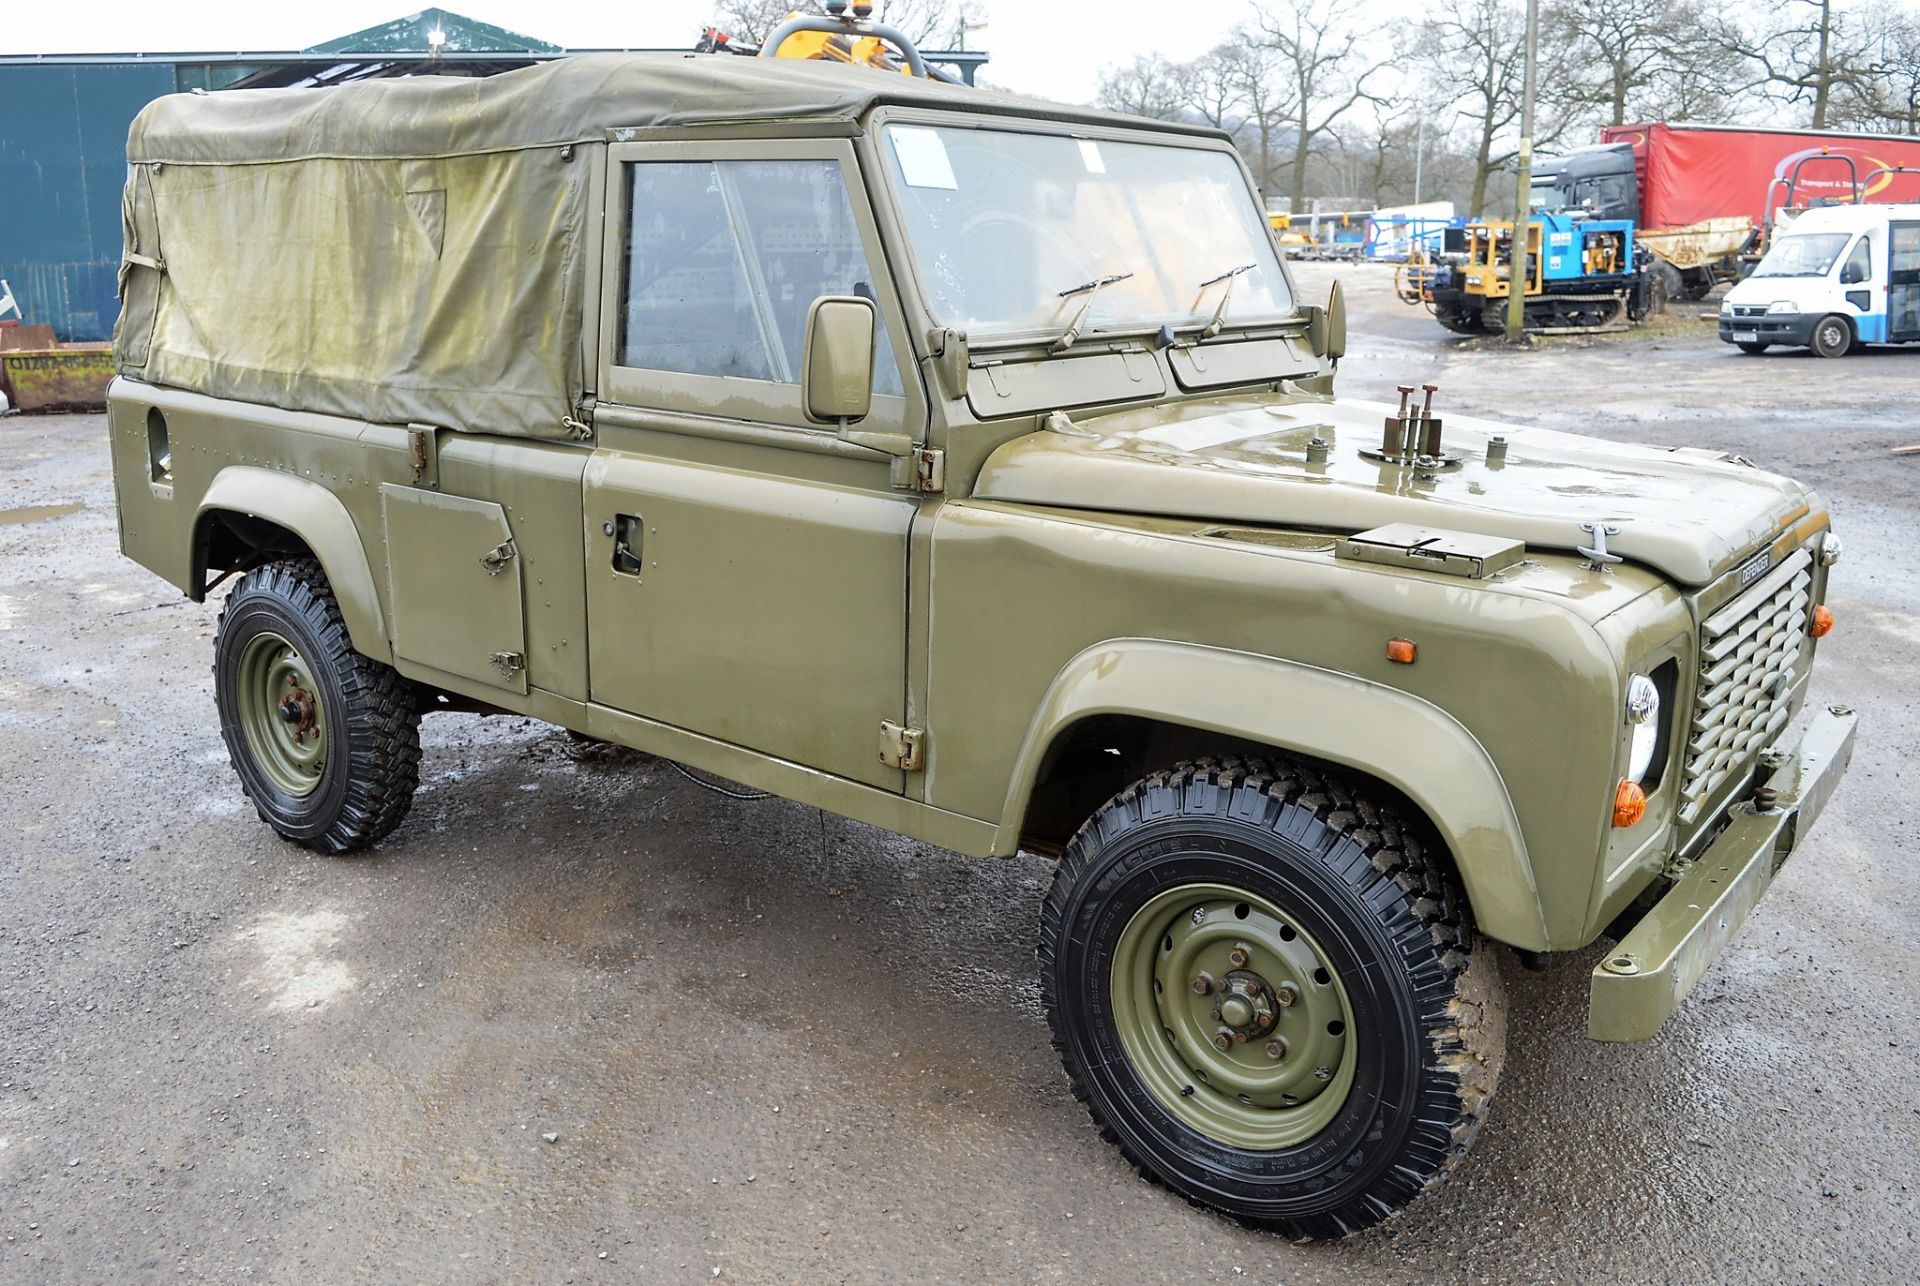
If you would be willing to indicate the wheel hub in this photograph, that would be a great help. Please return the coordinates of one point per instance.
(1239, 1024)
(280, 714)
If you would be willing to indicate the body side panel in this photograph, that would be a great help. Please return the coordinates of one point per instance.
(1016, 595)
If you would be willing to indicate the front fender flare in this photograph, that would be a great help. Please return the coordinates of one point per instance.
(1407, 742)
(316, 516)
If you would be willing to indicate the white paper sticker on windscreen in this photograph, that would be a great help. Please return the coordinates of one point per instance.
(923, 158)
(1090, 156)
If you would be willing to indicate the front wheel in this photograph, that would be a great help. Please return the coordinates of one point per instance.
(326, 741)
(1831, 337)
(1262, 987)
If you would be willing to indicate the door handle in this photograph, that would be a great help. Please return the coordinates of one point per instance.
(626, 530)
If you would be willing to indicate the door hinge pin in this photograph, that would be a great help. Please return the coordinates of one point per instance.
(930, 467)
(901, 747)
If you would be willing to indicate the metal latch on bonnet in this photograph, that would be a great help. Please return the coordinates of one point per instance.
(1453, 553)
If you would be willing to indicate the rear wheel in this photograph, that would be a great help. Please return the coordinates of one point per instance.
(1668, 283)
(326, 741)
(1752, 349)
(1831, 337)
(1262, 988)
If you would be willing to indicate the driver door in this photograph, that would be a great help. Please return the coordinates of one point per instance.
(1903, 281)
(747, 570)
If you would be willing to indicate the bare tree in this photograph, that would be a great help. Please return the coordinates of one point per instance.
(1802, 51)
(1889, 96)
(1640, 59)
(1321, 72)
(1150, 85)
(1263, 96)
(1216, 87)
(1473, 52)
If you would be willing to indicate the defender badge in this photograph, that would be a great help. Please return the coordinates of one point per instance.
(1756, 567)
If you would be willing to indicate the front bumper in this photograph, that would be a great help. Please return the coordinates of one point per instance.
(1777, 328)
(1644, 979)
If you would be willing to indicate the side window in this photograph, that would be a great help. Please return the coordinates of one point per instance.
(1859, 264)
(723, 259)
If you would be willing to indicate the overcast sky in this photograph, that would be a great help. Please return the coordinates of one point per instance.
(1051, 47)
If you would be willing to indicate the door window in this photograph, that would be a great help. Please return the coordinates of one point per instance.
(723, 259)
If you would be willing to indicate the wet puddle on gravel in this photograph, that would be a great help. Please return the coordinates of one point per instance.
(38, 513)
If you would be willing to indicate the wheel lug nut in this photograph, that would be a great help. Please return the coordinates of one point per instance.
(1241, 955)
(1203, 984)
(1223, 1040)
(1285, 994)
(1323, 1073)
(1277, 1048)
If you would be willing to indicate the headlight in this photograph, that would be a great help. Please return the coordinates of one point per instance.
(1830, 550)
(1643, 716)
(1782, 306)
(1726, 307)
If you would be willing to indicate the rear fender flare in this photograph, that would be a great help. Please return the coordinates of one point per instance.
(1403, 740)
(316, 516)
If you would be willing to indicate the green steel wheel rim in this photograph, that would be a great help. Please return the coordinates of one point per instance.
(1270, 996)
(280, 714)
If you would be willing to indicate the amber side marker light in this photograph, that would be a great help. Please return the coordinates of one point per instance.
(1401, 650)
(1629, 803)
(1822, 622)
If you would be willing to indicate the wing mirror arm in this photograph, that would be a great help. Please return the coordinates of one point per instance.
(836, 371)
(1327, 327)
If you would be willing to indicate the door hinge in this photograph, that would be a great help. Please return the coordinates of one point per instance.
(498, 557)
(930, 469)
(423, 454)
(901, 747)
(508, 663)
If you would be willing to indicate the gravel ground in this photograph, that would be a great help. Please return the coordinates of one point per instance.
(586, 1021)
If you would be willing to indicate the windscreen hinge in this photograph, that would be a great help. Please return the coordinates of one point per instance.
(949, 347)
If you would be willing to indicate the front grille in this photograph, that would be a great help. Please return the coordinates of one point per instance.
(1749, 310)
(1748, 652)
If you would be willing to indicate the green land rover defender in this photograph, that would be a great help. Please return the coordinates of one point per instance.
(968, 465)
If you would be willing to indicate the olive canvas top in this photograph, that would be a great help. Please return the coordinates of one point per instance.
(414, 250)
(569, 100)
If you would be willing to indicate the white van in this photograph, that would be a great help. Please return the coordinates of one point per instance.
(1837, 276)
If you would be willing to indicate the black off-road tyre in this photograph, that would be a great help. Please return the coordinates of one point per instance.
(1832, 336)
(1428, 1012)
(363, 783)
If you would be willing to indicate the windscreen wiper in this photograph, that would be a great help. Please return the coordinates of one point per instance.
(1219, 317)
(1089, 289)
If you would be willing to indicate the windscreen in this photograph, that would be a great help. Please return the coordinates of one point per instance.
(1809, 254)
(1006, 227)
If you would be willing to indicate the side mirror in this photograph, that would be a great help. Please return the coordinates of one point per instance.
(836, 361)
(1316, 328)
(1336, 323)
(1852, 275)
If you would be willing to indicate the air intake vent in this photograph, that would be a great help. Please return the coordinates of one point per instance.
(1748, 652)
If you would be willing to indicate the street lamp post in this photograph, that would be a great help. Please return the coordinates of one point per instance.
(1520, 271)
(1419, 155)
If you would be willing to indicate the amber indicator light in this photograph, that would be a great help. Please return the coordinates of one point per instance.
(1629, 803)
(1401, 650)
(1822, 622)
